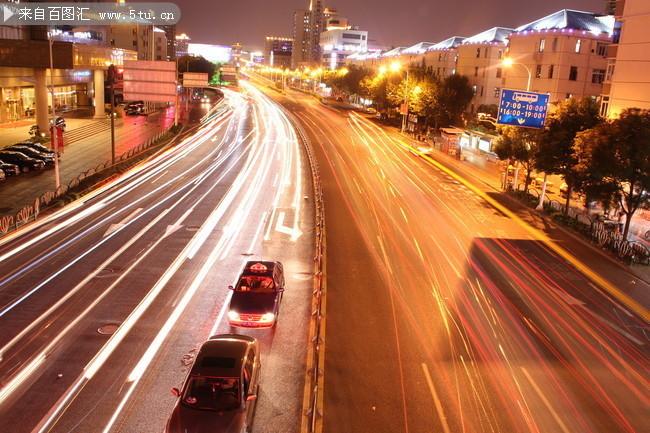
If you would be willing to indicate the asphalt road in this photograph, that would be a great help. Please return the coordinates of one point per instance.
(452, 309)
(104, 304)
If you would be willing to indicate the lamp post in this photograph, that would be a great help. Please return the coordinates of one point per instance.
(111, 81)
(509, 62)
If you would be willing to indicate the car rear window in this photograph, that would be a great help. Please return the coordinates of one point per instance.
(218, 362)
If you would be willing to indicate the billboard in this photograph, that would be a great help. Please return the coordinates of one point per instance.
(212, 53)
(195, 79)
(149, 80)
(526, 109)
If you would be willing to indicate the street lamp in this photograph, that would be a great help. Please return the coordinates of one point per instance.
(507, 62)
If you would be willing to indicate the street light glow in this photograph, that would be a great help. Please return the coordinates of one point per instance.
(395, 66)
(508, 62)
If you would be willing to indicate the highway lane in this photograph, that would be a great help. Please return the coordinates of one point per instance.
(106, 304)
(446, 314)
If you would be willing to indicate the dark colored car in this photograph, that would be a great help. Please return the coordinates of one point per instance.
(9, 169)
(134, 107)
(33, 153)
(36, 146)
(221, 389)
(24, 162)
(256, 299)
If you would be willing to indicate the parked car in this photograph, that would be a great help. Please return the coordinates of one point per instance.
(255, 302)
(2, 175)
(491, 157)
(220, 392)
(33, 153)
(9, 169)
(24, 162)
(36, 146)
(134, 107)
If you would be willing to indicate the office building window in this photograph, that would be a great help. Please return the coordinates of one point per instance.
(481, 90)
(485, 53)
(550, 71)
(500, 54)
(474, 90)
(598, 76)
(478, 52)
(445, 57)
(538, 71)
(601, 49)
(573, 73)
(554, 47)
(440, 57)
(499, 72)
(542, 43)
(578, 45)
(497, 92)
(476, 71)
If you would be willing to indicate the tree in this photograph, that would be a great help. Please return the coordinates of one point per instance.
(196, 64)
(555, 153)
(454, 96)
(520, 144)
(615, 156)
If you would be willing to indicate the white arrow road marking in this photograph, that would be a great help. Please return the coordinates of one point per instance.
(294, 232)
(115, 227)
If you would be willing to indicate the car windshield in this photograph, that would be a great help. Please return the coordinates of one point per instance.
(212, 393)
(256, 284)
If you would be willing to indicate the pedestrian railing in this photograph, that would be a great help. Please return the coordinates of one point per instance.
(30, 213)
(606, 238)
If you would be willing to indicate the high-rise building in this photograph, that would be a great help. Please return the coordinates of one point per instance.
(300, 49)
(627, 82)
(307, 28)
(277, 51)
(170, 34)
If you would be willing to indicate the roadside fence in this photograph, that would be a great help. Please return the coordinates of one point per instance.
(30, 213)
(632, 252)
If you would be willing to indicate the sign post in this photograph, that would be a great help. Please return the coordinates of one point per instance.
(525, 109)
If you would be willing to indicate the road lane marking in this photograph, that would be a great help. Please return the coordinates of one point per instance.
(548, 405)
(115, 227)
(436, 400)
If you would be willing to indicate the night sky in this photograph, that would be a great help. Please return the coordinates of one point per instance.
(389, 22)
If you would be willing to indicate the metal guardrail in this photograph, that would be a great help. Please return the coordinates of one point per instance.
(30, 213)
(315, 359)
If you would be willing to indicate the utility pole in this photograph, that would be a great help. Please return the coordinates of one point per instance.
(111, 80)
(54, 129)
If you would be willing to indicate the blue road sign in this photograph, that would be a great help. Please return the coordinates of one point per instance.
(525, 109)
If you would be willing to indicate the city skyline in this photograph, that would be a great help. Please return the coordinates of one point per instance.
(386, 25)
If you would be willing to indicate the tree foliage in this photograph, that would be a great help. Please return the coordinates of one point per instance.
(613, 159)
(196, 64)
(519, 144)
(555, 154)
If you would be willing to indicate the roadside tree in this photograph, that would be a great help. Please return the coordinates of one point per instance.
(555, 153)
(614, 158)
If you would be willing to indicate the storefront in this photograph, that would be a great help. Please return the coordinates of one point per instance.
(19, 102)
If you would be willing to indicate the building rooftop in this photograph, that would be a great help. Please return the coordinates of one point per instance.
(570, 19)
(394, 52)
(495, 34)
(452, 42)
(418, 48)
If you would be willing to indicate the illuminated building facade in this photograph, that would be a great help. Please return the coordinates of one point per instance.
(277, 52)
(627, 80)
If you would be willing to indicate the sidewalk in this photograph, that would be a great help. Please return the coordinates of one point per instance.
(88, 144)
(489, 173)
